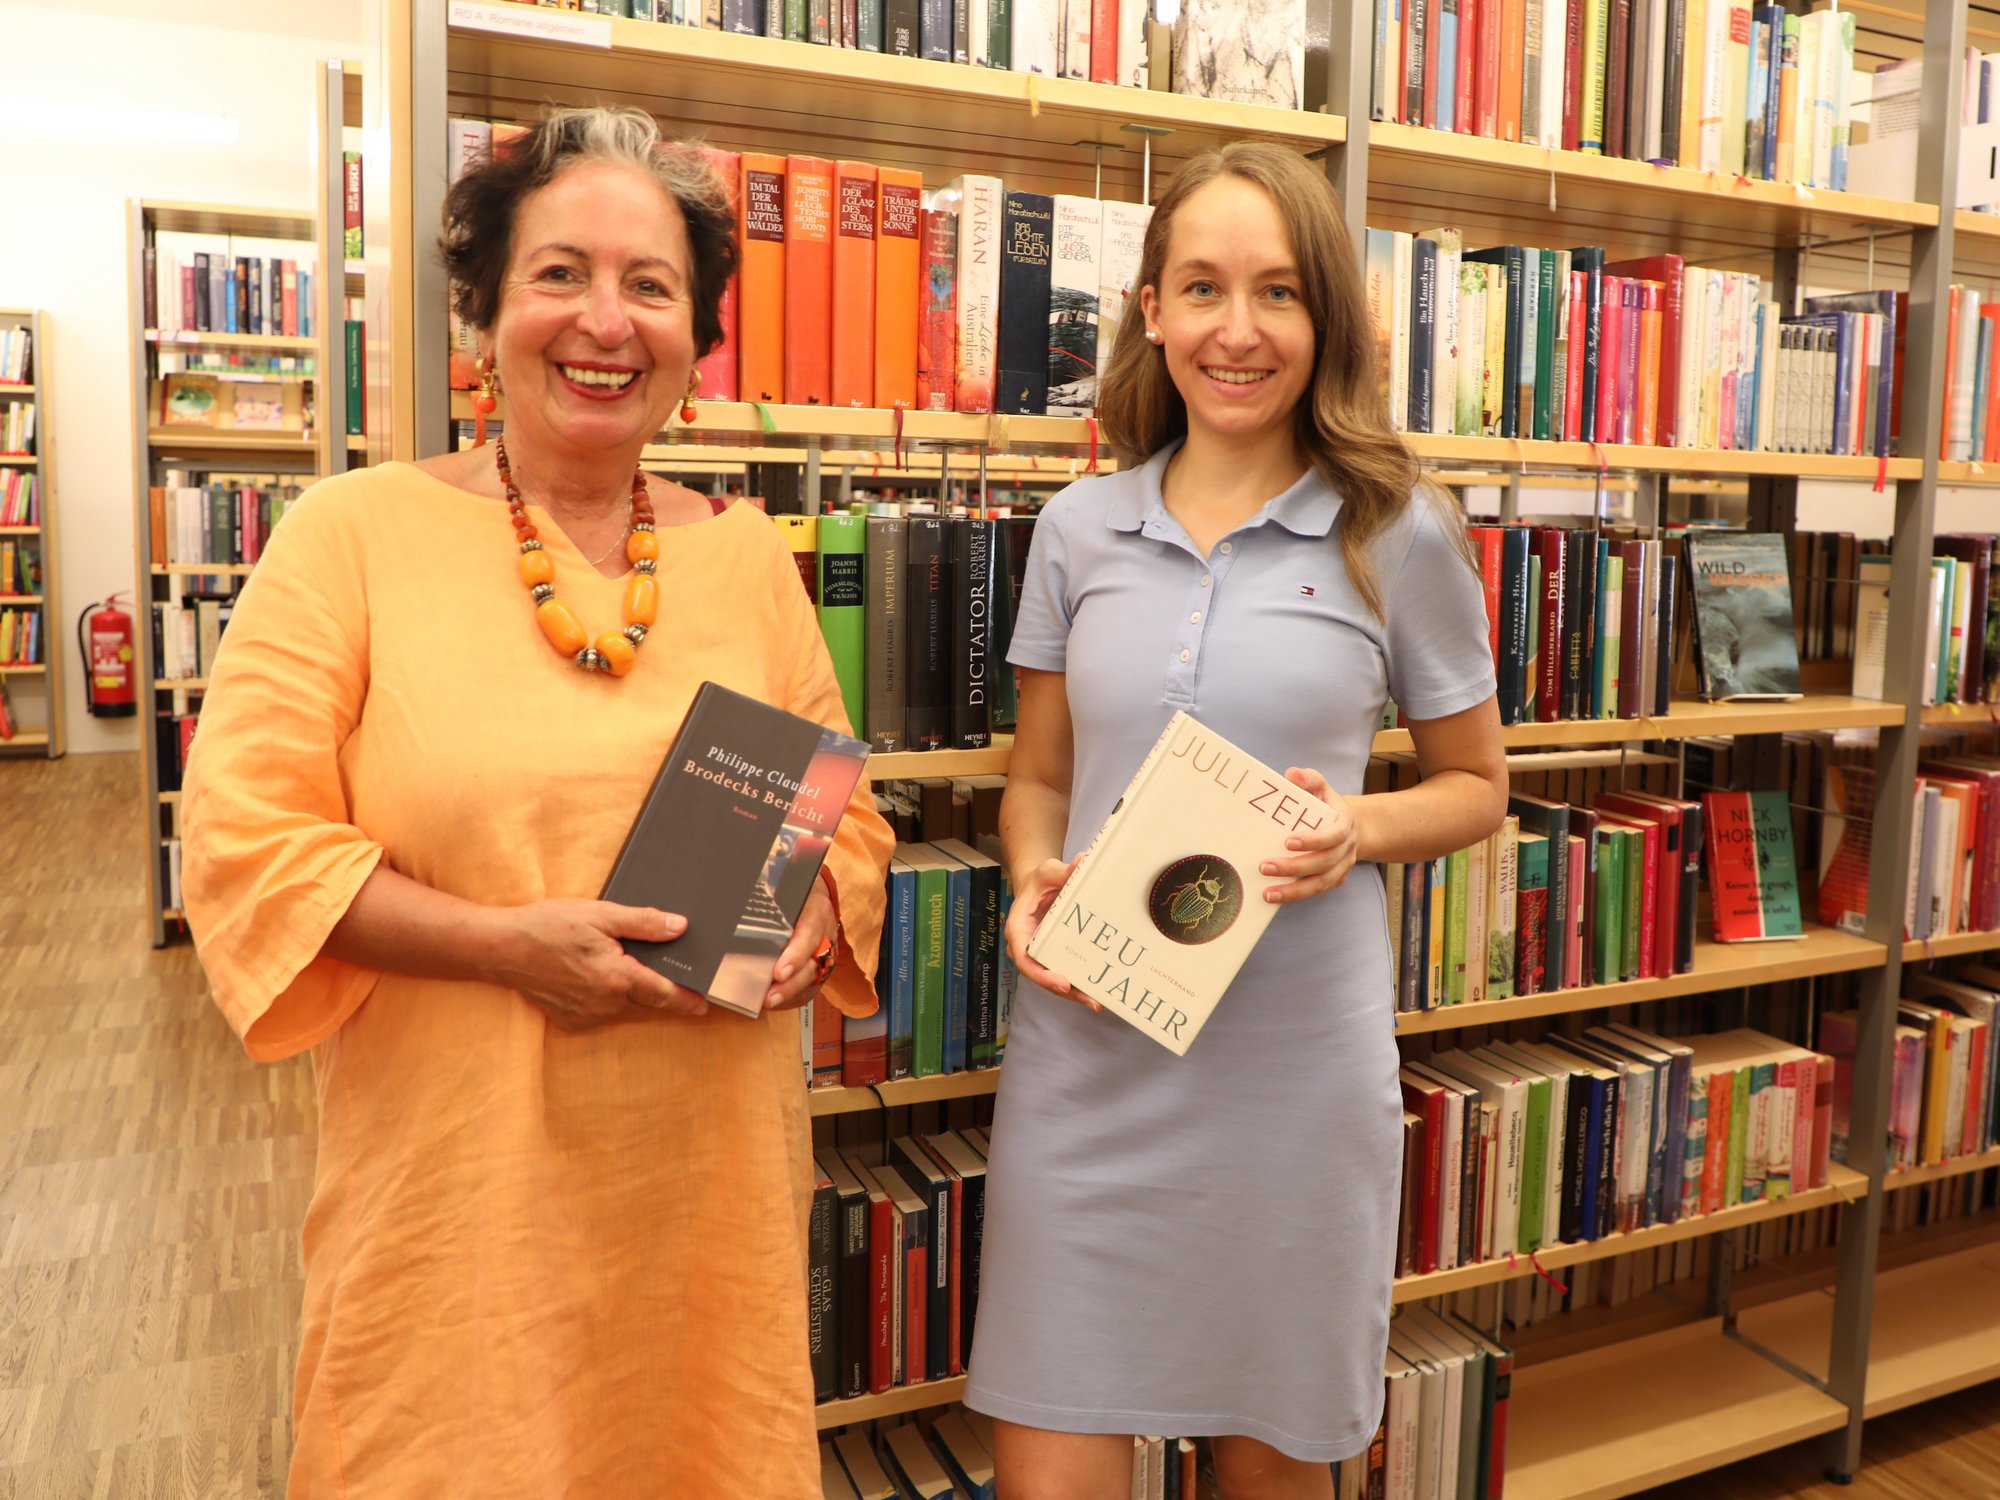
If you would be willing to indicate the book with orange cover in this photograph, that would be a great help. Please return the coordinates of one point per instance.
(808, 281)
(854, 189)
(716, 369)
(937, 341)
(760, 279)
(899, 223)
(1513, 48)
(1650, 317)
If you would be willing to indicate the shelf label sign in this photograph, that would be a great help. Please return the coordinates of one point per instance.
(533, 22)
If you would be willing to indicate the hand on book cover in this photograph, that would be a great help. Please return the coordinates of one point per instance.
(1031, 904)
(796, 976)
(1319, 858)
(564, 957)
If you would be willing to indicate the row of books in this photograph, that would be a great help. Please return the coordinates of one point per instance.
(917, 611)
(246, 364)
(20, 567)
(8, 727)
(23, 637)
(950, 1457)
(173, 736)
(17, 427)
(1444, 1414)
(170, 873)
(187, 635)
(16, 356)
(1954, 875)
(893, 1276)
(1971, 393)
(1523, 342)
(214, 523)
(219, 283)
(1943, 1080)
(1714, 86)
(1103, 41)
(19, 503)
(1514, 1146)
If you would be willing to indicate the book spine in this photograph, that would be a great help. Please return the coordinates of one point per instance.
(821, 1263)
(1074, 279)
(928, 602)
(1027, 230)
(885, 653)
(937, 349)
(978, 291)
(853, 310)
(761, 279)
(972, 662)
(842, 547)
(809, 233)
(898, 286)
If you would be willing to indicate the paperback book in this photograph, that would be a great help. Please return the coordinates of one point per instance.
(1744, 645)
(1166, 902)
(760, 792)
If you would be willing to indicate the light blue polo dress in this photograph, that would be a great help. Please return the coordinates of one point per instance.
(1205, 1245)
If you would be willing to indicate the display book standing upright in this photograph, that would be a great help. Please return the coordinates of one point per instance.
(1556, 1443)
(31, 618)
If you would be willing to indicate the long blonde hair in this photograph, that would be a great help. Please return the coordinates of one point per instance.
(1342, 424)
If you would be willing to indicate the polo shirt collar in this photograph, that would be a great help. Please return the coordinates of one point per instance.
(1308, 508)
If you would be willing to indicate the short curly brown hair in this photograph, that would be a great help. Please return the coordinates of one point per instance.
(479, 211)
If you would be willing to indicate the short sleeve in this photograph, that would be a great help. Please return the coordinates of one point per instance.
(1040, 639)
(1440, 662)
(858, 862)
(270, 858)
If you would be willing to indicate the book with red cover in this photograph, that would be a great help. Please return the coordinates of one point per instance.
(717, 368)
(1669, 815)
(1753, 884)
(1486, 81)
(1617, 71)
(1427, 1100)
(854, 219)
(760, 279)
(1572, 98)
(1549, 621)
(937, 338)
(808, 281)
(1433, 25)
(881, 1277)
(1465, 66)
(899, 225)
(760, 792)
(1649, 884)
(1667, 270)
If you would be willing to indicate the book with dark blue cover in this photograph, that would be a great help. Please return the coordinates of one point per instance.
(1423, 330)
(1589, 260)
(1516, 620)
(930, 1182)
(1026, 236)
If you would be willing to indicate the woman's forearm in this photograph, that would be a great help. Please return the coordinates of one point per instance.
(402, 926)
(1445, 812)
(1034, 818)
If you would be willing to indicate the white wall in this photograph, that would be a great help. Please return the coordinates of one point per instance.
(64, 182)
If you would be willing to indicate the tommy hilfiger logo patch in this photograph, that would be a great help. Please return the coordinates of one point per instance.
(1306, 589)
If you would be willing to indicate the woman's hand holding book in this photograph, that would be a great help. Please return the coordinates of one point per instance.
(1319, 858)
(1032, 899)
(564, 957)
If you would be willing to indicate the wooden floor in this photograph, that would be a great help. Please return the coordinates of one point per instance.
(152, 1181)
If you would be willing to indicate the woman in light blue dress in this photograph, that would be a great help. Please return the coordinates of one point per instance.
(1204, 1246)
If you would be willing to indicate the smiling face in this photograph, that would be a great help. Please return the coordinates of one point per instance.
(594, 338)
(1230, 313)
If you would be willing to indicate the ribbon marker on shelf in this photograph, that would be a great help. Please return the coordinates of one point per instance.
(1881, 471)
(898, 437)
(765, 419)
(1514, 1261)
(1034, 94)
(1090, 425)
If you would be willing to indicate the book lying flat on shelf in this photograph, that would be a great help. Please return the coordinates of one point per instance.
(1166, 902)
(759, 793)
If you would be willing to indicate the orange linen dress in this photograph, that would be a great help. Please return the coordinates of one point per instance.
(538, 1263)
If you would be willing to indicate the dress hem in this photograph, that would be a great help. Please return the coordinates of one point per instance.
(1176, 1424)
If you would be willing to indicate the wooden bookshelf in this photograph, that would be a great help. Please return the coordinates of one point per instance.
(23, 668)
(1717, 966)
(1687, 718)
(16, 600)
(890, 1403)
(211, 440)
(1656, 460)
(18, 460)
(894, 764)
(1843, 1186)
(17, 388)
(1645, 1411)
(899, 1093)
(27, 739)
(179, 684)
(1962, 715)
(1953, 945)
(1951, 1166)
(209, 338)
(1935, 1329)
(1964, 474)
(228, 570)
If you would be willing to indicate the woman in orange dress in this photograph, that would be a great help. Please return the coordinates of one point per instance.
(556, 1245)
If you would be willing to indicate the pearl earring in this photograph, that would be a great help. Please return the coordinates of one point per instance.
(1153, 334)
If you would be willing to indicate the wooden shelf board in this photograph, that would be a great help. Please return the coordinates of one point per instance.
(1656, 460)
(16, 388)
(1951, 946)
(234, 570)
(19, 460)
(1843, 1186)
(1962, 715)
(899, 1092)
(227, 218)
(758, 93)
(206, 440)
(1532, 762)
(173, 914)
(27, 739)
(182, 684)
(7, 600)
(1968, 474)
(1935, 1329)
(890, 1403)
(170, 799)
(894, 764)
(192, 338)
(1814, 711)
(1648, 1410)
(22, 669)
(1955, 1166)
(1717, 966)
(20, 531)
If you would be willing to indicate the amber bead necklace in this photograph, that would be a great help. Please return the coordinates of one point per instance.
(615, 651)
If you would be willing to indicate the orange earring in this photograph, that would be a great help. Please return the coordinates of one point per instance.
(485, 401)
(687, 401)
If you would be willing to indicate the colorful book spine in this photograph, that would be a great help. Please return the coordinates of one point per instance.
(1075, 275)
(809, 234)
(1027, 234)
(899, 285)
(978, 289)
(761, 279)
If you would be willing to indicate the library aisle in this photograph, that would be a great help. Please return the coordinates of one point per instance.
(153, 1181)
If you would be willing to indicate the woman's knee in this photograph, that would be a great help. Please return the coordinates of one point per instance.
(1031, 1463)
(1246, 1469)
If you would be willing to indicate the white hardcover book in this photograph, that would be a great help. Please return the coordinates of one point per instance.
(1871, 629)
(1035, 28)
(1508, 1094)
(1244, 51)
(1075, 283)
(1477, 926)
(1124, 236)
(1074, 58)
(1826, 91)
(1451, 1359)
(1555, 46)
(1166, 901)
(1471, 349)
(1933, 625)
(1963, 371)
(978, 23)
(978, 290)
(1803, 111)
(1430, 1414)
(1944, 865)
(1653, 110)
(1533, 45)
(1133, 62)
(1714, 55)
(1399, 341)
(1556, 1158)
(1385, 76)
(1402, 1407)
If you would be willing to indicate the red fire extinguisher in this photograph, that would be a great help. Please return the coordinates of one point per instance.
(104, 637)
